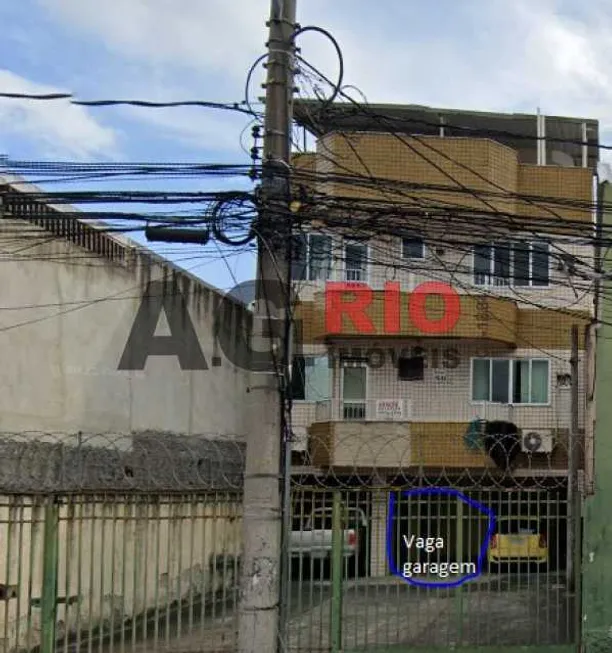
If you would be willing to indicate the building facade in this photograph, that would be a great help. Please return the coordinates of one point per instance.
(440, 268)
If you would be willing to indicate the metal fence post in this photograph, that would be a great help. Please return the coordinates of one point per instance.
(337, 558)
(48, 608)
(459, 589)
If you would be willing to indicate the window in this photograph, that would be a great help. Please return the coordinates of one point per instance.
(413, 247)
(354, 391)
(522, 264)
(310, 379)
(517, 381)
(519, 527)
(355, 256)
(311, 257)
(411, 369)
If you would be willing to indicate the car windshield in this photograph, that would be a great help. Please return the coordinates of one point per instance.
(518, 527)
(322, 520)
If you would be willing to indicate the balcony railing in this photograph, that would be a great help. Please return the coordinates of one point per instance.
(365, 410)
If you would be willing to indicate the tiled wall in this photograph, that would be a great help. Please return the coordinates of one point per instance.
(445, 393)
(454, 265)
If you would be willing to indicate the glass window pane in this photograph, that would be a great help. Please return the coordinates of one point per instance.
(355, 256)
(317, 379)
(500, 381)
(298, 257)
(520, 382)
(480, 379)
(412, 247)
(298, 378)
(320, 258)
(540, 264)
(521, 264)
(501, 264)
(354, 386)
(539, 382)
(482, 264)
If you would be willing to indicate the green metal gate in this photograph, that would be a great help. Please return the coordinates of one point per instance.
(340, 602)
(119, 572)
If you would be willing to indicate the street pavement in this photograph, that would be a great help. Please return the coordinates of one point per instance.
(510, 609)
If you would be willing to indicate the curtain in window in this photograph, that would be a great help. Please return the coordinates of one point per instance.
(412, 247)
(480, 380)
(299, 253)
(482, 264)
(354, 386)
(521, 264)
(317, 379)
(320, 258)
(540, 264)
(539, 382)
(501, 267)
(355, 255)
(500, 382)
(521, 382)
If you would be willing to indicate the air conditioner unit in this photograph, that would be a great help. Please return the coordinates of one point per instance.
(540, 441)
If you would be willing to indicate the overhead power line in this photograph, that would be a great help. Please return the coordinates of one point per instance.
(225, 106)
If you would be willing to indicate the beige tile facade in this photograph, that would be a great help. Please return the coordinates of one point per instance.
(438, 409)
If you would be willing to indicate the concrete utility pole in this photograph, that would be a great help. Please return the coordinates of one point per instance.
(260, 588)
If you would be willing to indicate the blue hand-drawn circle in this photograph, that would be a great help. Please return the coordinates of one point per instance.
(449, 492)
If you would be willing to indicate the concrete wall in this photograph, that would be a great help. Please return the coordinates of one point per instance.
(66, 316)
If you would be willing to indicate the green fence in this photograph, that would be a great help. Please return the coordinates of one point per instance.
(119, 572)
(344, 597)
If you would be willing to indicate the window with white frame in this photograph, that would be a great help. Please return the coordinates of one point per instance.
(413, 247)
(511, 381)
(516, 264)
(311, 257)
(354, 391)
(310, 378)
(355, 261)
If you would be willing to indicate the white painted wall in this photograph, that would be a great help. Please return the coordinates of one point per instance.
(454, 266)
(445, 393)
(65, 317)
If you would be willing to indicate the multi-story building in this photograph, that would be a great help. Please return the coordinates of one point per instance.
(499, 208)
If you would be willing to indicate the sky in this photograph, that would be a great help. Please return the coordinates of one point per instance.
(490, 55)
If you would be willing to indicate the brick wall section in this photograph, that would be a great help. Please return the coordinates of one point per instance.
(402, 445)
(573, 184)
(480, 165)
(549, 329)
(483, 318)
(321, 443)
(441, 444)
(421, 160)
(306, 163)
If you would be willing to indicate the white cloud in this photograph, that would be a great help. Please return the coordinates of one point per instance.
(502, 55)
(209, 36)
(57, 127)
(195, 128)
